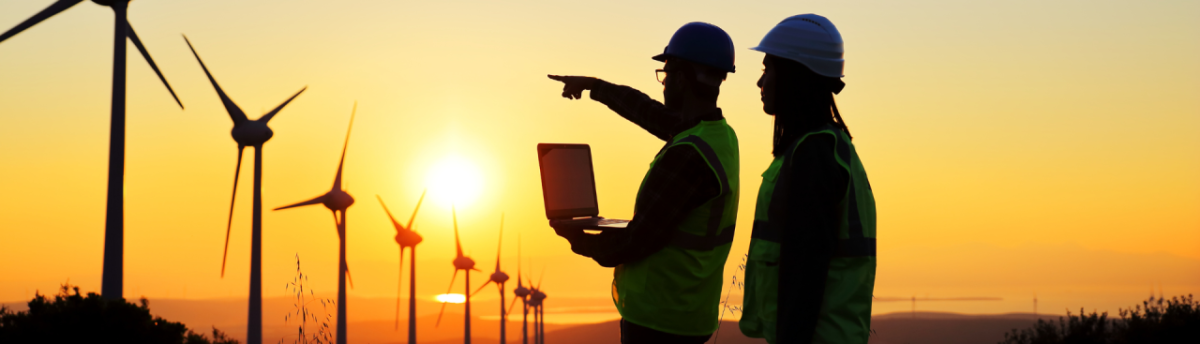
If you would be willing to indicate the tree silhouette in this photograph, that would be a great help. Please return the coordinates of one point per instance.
(76, 318)
(1156, 320)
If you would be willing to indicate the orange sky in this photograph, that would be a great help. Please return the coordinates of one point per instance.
(1015, 149)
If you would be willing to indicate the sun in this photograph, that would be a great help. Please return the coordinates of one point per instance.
(451, 298)
(454, 180)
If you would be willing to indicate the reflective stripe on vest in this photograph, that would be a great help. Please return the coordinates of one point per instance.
(711, 239)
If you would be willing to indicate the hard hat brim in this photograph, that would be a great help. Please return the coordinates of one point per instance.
(664, 56)
(784, 55)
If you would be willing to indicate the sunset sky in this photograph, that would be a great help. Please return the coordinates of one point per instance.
(1015, 148)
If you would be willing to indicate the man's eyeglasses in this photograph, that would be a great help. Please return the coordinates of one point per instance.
(661, 74)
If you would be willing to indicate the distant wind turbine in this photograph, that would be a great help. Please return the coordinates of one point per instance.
(914, 300)
(537, 300)
(499, 277)
(247, 133)
(407, 236)
(522, 293)
(338, 200)
(112, 280)
(466, 264)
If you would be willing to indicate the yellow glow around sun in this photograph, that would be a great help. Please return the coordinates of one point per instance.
(451, 298)
(454, 180)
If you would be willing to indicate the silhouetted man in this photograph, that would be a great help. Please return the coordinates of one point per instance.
(669, 260)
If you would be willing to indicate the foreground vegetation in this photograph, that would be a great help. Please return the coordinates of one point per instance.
(1156, 320)
(76, 318)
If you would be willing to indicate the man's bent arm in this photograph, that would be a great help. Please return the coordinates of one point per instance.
(639, 108)
(679, 182)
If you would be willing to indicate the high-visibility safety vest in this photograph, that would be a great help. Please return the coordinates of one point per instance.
(845, 315)
(677, 290)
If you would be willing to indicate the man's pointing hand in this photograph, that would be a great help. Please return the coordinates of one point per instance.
(573, 86)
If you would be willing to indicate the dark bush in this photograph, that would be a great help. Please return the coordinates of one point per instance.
(75, 318)
(1156, 320)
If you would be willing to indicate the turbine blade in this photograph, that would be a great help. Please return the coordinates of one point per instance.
(452, 278)
(457, 243)
(510, 306)
(267, 118)
(237, 171)
(414, 215)
(539, 285)
(146, 54)
(389, 214)
(235, 112)
(320, 199)
(518, 256)
(439, 319)
(337, 182)
(499, 243)
(50, 11)
(349, 276)
(485, 284)
(399, 284)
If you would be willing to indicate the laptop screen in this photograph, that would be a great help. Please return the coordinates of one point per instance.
(568, 186)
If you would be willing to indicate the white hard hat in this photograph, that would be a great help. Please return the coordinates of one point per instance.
(809, 39)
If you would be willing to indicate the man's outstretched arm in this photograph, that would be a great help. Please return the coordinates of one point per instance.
(633, 105)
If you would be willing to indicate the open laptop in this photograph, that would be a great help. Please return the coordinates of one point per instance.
(569, 186)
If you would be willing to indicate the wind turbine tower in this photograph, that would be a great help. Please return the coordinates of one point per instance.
(112, 280)
(247, 133)
(522, 293)
(499, 277)
(338, 200)
(537, 299)
(466, 264)
(407, 237)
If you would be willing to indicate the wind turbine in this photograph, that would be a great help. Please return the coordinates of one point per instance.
(112, 281)
(247, 133)
(499, 277)
(466, 264)
(522, 293)
(537, 299)
(337, 200)
(406, 236)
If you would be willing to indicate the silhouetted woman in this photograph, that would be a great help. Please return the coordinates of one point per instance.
(811, 265)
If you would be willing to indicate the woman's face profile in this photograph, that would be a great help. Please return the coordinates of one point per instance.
(766, 85)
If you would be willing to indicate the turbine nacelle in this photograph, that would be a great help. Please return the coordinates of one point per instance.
(521, 291)
(499, 277)
(338, 200)
(408, 238)
(251, 133)
(464, 263)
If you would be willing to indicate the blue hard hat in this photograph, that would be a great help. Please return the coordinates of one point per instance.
(702, 43)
